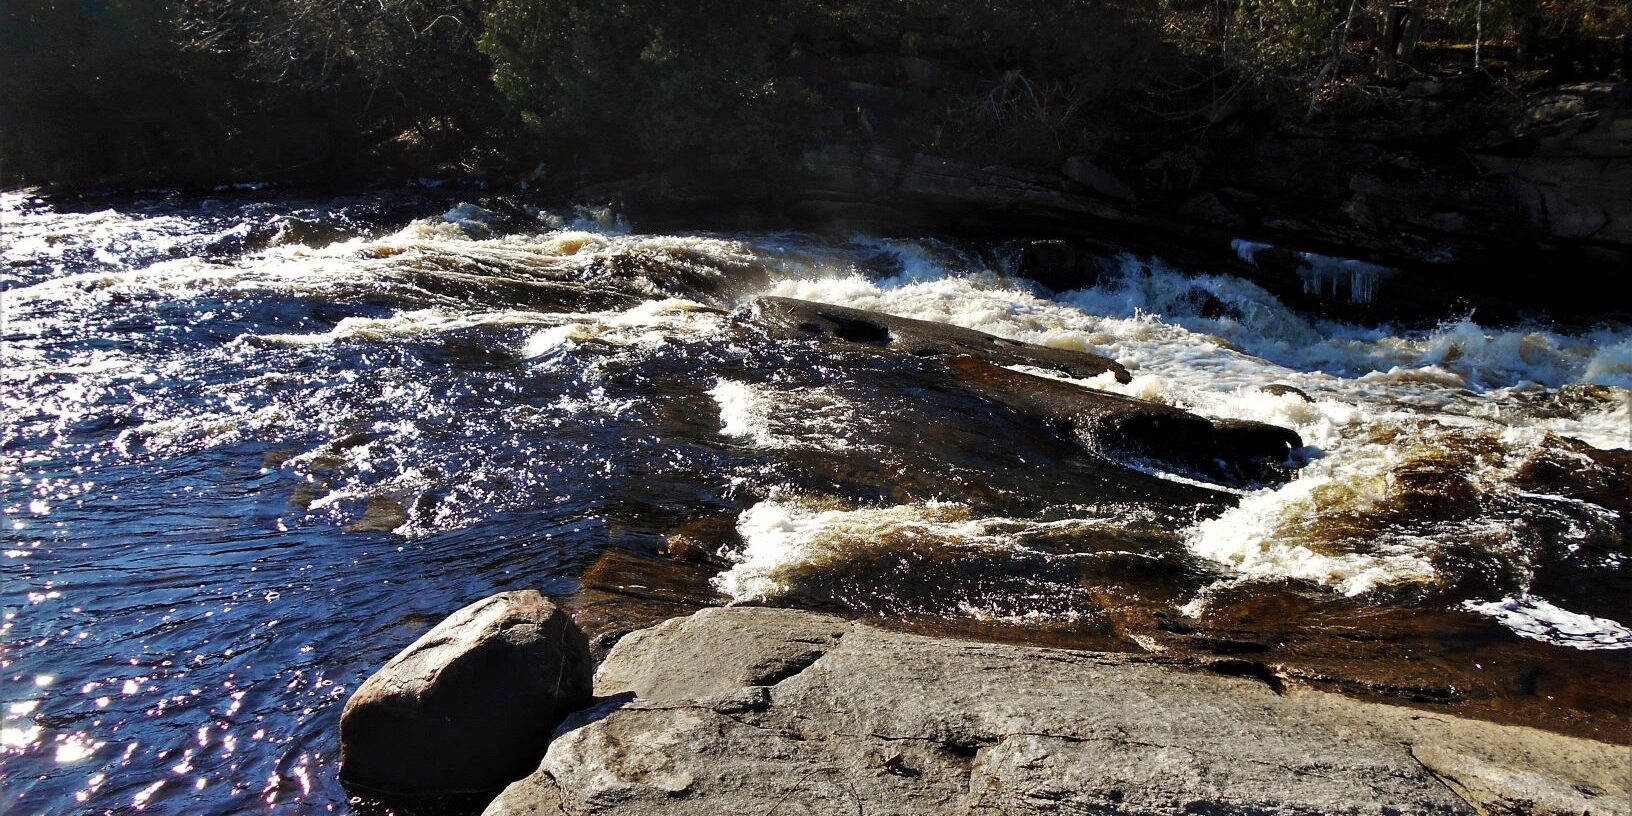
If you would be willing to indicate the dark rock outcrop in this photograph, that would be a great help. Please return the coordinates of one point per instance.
(470, 705)
(1052, 263)
(1462, 198)
(287, 229)
(1128, 432)
(1082, 170)
(1134, 431)
(805, 320)
(1253, 451)
(1282, 390)
(764, 710)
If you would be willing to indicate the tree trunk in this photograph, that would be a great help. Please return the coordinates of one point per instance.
(1389, 39)
(1479, 37)
(1416, 13)
(1401, 28)
(1527, 30)
(1340, 45)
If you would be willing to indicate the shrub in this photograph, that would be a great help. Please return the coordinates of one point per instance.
(77, 71)
(649, 81)
(654, 82)
(1285, 41)
(366, 72)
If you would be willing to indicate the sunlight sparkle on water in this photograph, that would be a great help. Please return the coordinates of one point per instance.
(76, 747)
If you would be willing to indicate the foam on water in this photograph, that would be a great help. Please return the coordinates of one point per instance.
(115, 239)
(650, 324)
(811, 418)
(1611, 364)
(396, 265)
(1258, 538)
(1606, 428)
(1535, 618)
(399, 326)
(786, 537)
(782, 534)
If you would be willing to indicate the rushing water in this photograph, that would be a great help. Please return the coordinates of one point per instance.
(243, 466)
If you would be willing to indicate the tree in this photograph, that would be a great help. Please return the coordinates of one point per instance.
(98, 89)
(376, 71)
(648, 80)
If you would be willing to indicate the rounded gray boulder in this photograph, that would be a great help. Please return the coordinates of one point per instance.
(470, 705)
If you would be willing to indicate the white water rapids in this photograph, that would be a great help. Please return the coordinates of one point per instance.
(1378, 396)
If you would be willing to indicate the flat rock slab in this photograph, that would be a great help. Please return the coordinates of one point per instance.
(764, 711)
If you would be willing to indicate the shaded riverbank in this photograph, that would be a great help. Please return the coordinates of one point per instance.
(1487, 144)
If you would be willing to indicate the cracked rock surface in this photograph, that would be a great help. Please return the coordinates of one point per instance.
(764, 711)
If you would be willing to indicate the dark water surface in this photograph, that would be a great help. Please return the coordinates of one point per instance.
(252, 448)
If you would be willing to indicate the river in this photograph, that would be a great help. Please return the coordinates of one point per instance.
(253, 445)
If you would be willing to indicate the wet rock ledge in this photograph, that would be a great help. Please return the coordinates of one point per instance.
(751, 711)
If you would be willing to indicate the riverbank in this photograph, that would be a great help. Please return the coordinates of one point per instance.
(751, 710)
(1506, 208)
(1371, 220)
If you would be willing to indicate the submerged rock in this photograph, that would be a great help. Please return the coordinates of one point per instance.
(287, 229)
(1253, 451)
(1126, 433)
(759, 710)
(1282, 390)
(470, 705)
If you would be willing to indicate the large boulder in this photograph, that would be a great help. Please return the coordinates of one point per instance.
(743, 710)
(1051, 263)
(469, 706)
(1138, 432)
(1082, 170)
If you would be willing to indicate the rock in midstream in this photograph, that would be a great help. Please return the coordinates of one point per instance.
(1229, 451)
(1111, 426)
(759, 711)
(471, 704)
(923, 338)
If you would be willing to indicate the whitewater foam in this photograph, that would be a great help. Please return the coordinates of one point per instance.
(1262, 537)
(1535, 618)
(786, 537)
(812, 418)
(651, 324)
(783, 536)
(1209, 344)
(402, 325)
